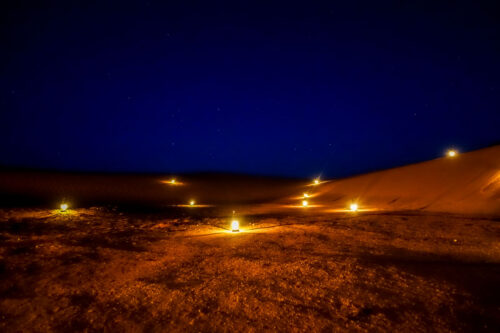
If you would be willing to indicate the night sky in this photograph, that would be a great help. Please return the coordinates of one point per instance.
(271, 88)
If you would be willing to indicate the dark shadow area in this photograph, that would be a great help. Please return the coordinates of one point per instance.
(17, 281)
(171, 278)
(33, 227)
(76, 257)
(126, 240)
(474, 279)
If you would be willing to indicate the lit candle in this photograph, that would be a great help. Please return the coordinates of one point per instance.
(235, 226)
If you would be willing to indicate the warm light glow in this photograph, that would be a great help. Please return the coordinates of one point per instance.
(172, 182)
(304, 203)
(64, 207)
(191, 203)
(235, 226)
(306, 195)
(452, 153)
(354, 207)
(316, 181)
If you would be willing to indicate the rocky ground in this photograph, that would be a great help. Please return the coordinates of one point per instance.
(105, 270)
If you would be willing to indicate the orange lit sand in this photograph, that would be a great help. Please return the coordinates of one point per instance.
(469, 183)
(103, 270)
(193, 206)
(170, 183)
(422, 253)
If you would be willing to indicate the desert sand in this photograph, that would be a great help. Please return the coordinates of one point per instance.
(422, 253)
(466, 184)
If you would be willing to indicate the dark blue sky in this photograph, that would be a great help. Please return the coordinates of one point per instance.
(263, 87)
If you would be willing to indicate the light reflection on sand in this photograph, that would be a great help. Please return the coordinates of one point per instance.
(169, 182)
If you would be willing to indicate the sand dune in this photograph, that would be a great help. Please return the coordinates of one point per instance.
(468, 183)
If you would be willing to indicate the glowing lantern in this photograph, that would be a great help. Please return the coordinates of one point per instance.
(172, 181)
(64, 207)
(191, 203)
(354, 207)
(452, 153)
(304, 203)
(235, 226)
(316, 181)
(306, 195)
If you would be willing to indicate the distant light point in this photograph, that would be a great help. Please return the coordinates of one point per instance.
(353, 207)
(64, 207)
(452, 153)
(304, 203)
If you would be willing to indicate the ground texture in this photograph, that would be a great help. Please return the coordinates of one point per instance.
(105, 270)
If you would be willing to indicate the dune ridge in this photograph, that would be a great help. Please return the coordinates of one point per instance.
(468, 183)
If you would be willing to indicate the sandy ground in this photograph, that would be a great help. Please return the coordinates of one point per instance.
(104, 270)
(468, 183)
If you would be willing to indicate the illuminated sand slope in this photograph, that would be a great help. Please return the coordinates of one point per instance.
(468, 183)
